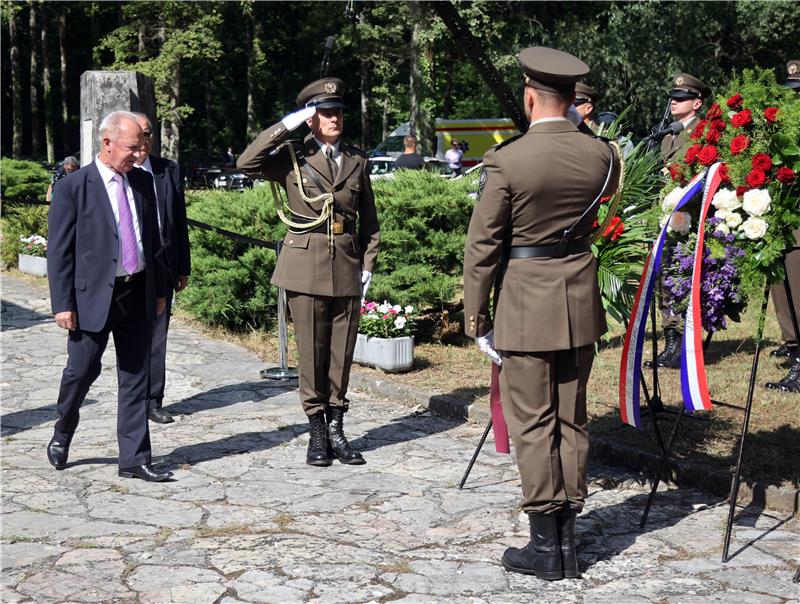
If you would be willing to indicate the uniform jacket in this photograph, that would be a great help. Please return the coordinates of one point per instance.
(304, 264)
(83, 246)
(172, 210)
(533, 188)
(673, 146)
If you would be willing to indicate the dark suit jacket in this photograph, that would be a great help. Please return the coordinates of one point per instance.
(172, 209)
(83, 246)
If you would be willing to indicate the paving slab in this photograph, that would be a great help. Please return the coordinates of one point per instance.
(247, 521)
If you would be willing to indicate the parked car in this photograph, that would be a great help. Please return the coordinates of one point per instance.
(383, 166)
(233, 180)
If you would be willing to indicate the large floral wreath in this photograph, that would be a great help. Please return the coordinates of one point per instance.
(753, 131)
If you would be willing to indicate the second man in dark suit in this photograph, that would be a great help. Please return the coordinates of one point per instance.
(174, 255)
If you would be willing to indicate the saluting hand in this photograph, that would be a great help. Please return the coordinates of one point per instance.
(294, 119)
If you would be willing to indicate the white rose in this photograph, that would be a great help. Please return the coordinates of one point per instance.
(722, 228)
(756, 202)
(400, 322)
(754, 228)
(726, 199)
(733, 220)
(672, 198)
(681, 223)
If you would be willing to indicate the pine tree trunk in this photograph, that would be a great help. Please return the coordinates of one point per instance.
(385, 120)
(366, 94)
(170, 125)
(255, 31)
(62, 49)
(36, 138)
(209, 138)
(16, 84)
(415, 77)
(49, 134)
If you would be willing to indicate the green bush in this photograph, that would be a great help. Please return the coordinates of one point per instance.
(423, 219)
(230, 280)
(20, 221)
(19, 178)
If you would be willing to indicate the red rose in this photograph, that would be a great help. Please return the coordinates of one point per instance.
(762, 161)
(691, 154)
(618, 231)
(698, 130)
(723, 172)
(785, 175)
(719, 125)
(735, 101)
(713, 136)
(742, 118)
(741, 191)
(708, 155)
(771, 113)
(756, 178)
(612, 226)
(714, 112)
(676, 172)
(739, 143)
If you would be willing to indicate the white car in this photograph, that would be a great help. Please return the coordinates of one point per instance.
(382, 166)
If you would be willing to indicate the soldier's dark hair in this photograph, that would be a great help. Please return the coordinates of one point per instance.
(547, 97)
(410, 140)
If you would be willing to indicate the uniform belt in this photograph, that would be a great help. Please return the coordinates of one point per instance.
(578, 246)
(129, 278)
(347, 227)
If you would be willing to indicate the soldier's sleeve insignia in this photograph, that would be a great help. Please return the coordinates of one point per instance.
(482, 182)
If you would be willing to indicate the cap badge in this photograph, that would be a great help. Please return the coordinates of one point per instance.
(330, 87)
(679, 81)
(792, 69)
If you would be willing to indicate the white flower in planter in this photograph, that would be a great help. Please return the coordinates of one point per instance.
(756, 202)
(400, 322)
(409, 310)
(754, 228)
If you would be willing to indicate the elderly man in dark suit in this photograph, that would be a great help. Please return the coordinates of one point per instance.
(174, 236)
(104, 279)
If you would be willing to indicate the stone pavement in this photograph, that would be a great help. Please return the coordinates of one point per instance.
(247, 521)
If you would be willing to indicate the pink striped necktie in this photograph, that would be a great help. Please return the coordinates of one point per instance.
(127, 234)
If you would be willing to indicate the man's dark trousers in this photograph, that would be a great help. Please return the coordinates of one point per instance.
(158, 357)
(132, 331)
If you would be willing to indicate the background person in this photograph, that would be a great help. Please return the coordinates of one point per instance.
(69, 166)
(410, 159)
(453, 157)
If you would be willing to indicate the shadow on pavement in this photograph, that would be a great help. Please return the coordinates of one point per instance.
(224, 396)
(25, 419)
(403, 429)
(13, 316)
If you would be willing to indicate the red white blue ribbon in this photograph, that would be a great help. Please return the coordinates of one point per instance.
(630, 371)
(694, 385)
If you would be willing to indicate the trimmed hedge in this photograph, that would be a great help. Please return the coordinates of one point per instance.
(423, 220)
(21, 179)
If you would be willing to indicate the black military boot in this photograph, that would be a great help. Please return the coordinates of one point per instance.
(565, 520)
(317, 454)
(542, 555)
(789, 351)
(339, 447)
(670, 357)
(790, 382)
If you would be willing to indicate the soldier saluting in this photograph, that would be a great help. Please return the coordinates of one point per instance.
(328, 255)
(539, 194)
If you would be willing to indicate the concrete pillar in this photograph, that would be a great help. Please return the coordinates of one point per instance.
(105, 91)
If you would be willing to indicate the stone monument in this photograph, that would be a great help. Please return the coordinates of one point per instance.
(105, 91)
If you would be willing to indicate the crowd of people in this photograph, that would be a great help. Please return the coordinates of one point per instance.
(119, 249)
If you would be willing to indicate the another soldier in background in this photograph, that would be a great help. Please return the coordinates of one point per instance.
(686, 99)
(789, 349)
(585, 101)
(538, 198)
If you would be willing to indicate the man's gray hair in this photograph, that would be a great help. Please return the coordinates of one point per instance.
(143, 116)
(109, 127)
(71, 160)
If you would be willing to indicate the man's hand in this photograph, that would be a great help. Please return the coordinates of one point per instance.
(294, 119)
(67, 320)
(161, 305)
(486, 346)
(183, 281)
(366, 278)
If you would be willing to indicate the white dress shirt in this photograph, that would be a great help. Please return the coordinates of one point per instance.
(337, 157)
(107, 174)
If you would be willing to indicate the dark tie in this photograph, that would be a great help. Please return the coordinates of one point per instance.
(331, 162)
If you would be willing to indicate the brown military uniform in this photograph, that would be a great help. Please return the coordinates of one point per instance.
(779, 299)
(323, 289)
(549, 313)
(674, 146)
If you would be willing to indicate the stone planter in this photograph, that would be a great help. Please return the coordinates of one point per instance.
(389, 354)
(33, 265)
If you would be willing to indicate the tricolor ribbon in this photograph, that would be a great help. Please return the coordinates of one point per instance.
(630, 371)
(499, 427)
(694, 385)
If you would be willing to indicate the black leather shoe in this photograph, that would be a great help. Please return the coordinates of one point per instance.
(542, 555)
(57, 454)
(145, 472)
(790, 382)
(160, 416)
(670, 357)
(340, 448)
(317, 454)
(565, 520)
(786, 350)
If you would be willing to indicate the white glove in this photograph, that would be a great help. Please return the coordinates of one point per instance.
(574, 116)
(486, 346)
(294, 119)
(366, 277)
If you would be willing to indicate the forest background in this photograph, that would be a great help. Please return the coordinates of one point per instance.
(225, 70)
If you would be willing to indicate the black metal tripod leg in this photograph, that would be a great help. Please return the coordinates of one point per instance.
(475, 455)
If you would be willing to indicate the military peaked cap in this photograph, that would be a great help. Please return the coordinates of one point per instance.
(793, 74)
(324, 94)
(685, 86)
(584, 92)
(552, 70)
